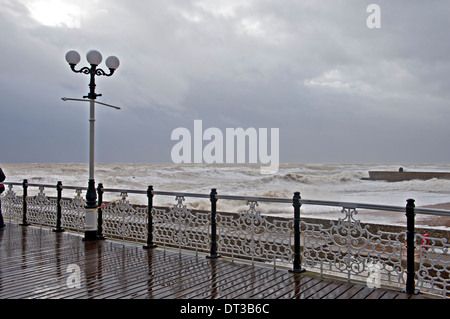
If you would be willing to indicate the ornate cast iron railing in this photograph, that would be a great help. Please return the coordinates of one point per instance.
(354, 250)
(344, 247)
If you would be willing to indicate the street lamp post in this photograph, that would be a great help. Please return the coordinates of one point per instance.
(94, 58)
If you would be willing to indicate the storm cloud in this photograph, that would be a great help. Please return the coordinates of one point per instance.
(338, 90)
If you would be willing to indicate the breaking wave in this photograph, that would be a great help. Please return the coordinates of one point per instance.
(338, 182)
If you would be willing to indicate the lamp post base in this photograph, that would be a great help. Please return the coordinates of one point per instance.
(90, 235)
(91, 195)
(297, 270)
(147, 246)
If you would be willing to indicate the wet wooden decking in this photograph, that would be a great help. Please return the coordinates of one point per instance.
(38, 263)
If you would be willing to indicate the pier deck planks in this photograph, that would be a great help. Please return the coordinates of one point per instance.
(34, 264)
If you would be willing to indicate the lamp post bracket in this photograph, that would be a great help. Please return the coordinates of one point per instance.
(83, 100)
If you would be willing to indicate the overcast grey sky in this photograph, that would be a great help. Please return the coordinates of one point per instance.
(337, 90)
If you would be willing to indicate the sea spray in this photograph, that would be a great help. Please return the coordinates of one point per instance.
(335, 182)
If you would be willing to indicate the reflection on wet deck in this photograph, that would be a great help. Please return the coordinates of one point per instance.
(38, 263)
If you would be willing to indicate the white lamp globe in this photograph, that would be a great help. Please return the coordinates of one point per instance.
(112, 62)
(94, 57)
(73, 57)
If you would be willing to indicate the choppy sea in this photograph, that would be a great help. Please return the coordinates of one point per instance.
(331, 182)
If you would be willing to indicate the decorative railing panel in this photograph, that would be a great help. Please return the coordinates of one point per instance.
(347, 248)
(73, 212)
(434, 264)
(41, 209)
(254, 236)
(12, 205)
(180, 227)
(124, 221)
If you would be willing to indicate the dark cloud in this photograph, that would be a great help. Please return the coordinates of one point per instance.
(337, 90)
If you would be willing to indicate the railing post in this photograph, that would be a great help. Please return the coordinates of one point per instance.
(213, 253)
(58, 207)
(24, 203)
(410, 243)
(150, 243)
(99, 212)
(2, 223)
(297, 267)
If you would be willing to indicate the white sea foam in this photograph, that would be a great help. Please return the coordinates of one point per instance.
(332, 182)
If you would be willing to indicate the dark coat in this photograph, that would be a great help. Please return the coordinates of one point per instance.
(2, 175)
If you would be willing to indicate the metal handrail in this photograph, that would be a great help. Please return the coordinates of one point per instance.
(417, 210)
